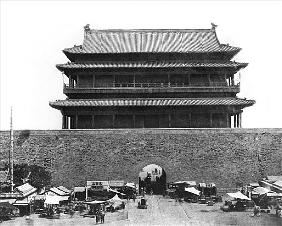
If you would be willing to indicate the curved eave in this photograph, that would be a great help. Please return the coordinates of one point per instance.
(125, 65)
(151, 102)
(72, 51)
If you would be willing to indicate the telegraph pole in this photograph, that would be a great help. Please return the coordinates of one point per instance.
(11, 153)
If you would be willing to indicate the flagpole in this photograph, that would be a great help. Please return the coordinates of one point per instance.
(11, 154)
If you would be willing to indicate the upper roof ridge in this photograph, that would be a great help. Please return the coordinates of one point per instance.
(213, 28)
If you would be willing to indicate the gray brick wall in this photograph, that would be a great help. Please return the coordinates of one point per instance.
(223, 156)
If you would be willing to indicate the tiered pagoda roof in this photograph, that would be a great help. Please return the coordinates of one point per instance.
(192, 57)
(151, 41)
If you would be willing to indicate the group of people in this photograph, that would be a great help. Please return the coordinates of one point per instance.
(100, 216)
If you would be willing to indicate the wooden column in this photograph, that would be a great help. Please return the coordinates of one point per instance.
(76, 121)
(189, 79)
(93, 122)
(209, 79)
(168, 79)
(63, 122)
(232, 80)
(133, 118)
(190, 119)
(77, 82)
(67, 122)
(114, 118)
(70, 82)
(234, 121)
(240, 120)
(211, 120)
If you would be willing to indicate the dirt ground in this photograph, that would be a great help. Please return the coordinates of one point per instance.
(160, 211)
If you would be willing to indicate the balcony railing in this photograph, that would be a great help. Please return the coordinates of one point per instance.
(152, 85)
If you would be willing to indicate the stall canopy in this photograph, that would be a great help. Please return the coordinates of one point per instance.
(238, 195)
(274, 194)
(95, 202)
(132, 185)
(55, 199)
(260, 190)
(64, 189)
(11, 201)
(58, 191)
(115, 191)
(115, 199)
(79, 189)
(191, 183)
(278, 183)
(193, 191)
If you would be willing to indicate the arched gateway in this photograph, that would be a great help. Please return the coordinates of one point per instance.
(152, 179)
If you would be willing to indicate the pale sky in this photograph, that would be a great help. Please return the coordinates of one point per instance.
(34, 33)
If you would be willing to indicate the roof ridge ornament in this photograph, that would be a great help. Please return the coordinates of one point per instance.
(213, 26)
(87, 28)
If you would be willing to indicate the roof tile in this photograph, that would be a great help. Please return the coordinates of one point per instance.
(150, 102)
(156, 64)
(142, 41)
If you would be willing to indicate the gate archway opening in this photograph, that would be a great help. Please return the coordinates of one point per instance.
(152, 180)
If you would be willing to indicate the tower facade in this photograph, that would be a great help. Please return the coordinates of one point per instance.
(180, 78)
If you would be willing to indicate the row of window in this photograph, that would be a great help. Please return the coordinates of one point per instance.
(202, 120)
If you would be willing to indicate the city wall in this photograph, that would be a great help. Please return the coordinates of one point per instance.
(224, 156)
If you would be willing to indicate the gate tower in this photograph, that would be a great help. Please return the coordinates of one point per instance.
(161, 78)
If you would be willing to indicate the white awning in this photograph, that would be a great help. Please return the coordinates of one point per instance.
(55, 199)
(261, 190)
(193, 191)
(115, 191)
(274, 194)
(238, 195)
(132, 185)
(11, 201)
(191, 183)
(95, 202)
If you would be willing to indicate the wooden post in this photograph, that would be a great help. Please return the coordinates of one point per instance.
(234, 121)
(190, 119)
(211, 120)
(67, 122)
(76, 121)
(240, 119)
(93, 121)
(209, 79)
(63, 122)
(168, 79)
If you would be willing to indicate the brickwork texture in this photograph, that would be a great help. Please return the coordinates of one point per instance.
(224, 156)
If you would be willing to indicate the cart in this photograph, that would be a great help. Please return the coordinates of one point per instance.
(142, 204)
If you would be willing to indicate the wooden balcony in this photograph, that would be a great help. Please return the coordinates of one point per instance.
(152, 88)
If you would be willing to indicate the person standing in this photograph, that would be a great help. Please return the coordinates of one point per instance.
(256, 211)
(97, 214)
(102, 216)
